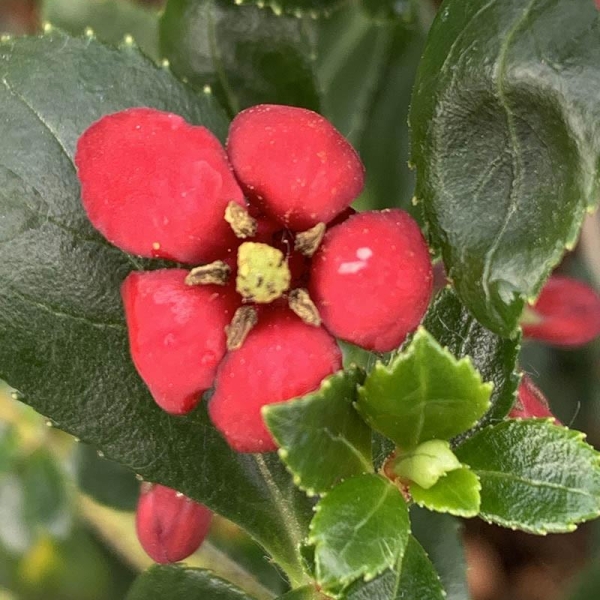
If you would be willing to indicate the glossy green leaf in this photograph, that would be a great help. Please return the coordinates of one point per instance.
(247, 55)
(495, 357)
(413, 578)
(111, 20)
(457, 493)
(442, 538)
(182, 583)
(423, 394)
(360, 529)
(107, 481)
(63, 341)
(505, 135)
(322, 438)
(366, 66)
(534, 475)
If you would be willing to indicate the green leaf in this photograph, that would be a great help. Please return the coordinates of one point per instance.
(494, 357)
(534, 475)
(322, 438)
(360, 529)
(107, 481)
(181, 583)
(63, 340)
(441, 536)
(504, 121)
(423, 394)
(305, 593)
(366, 67)
(413, 578)
(587, 582)
(247, 55)
(456, 493)
(111, 21)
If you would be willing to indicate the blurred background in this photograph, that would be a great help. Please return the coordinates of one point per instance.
(66, 514)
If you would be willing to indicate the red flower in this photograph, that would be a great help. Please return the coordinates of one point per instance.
(278, 249)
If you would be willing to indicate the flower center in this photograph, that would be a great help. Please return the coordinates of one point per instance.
(263, 274)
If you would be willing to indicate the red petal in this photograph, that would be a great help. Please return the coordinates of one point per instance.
(170, 526)
(282, 358)
(531, 402)
(156, 186)
(176, 334)
(568, 312)
(294, 163)
(371, 279)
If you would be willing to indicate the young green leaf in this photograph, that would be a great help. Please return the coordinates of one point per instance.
(414, 577)
(504, 120)
(535, 476)
(63, 340)
(360, 529)
(322, 439)
(182, 583)
(366, 66)
(495, 357)
(247, 55)
(423, 394)
(456, 493)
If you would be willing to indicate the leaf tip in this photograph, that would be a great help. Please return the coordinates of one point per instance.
(47, 27)
(207, 90)
(165, 64)
(89, 33)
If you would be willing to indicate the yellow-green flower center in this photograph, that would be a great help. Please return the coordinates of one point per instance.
(263, 273)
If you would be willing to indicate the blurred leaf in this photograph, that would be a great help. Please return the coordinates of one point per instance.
(456, 493)
(180, 583)
(535, 476)
(16, 534)
(504, 120)
(297, 7)
(322, 438)
(247, 55)
(494, 357)
(63, 337)
(47, 505)
(305, 593)
(588, 583)
(441, 536)
(423, 394)
(413, 578)
(111, 20)
(107, 481)
(366, 66)
(360, 529)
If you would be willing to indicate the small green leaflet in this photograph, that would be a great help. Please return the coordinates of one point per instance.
(535, 476)
(456, 493)
(423, 394)
(360, 529)
(322, 438)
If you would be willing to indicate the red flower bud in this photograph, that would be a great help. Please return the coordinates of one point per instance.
(567, 313)
(170, 526)
(530, 402)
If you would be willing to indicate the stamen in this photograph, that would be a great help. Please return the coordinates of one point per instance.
(244, 319)
(215, 273)
(308, 241)
(300, 302)
(243, 225)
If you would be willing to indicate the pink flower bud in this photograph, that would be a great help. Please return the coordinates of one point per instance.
(531, 403)
(567, 313)
(170, 526)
